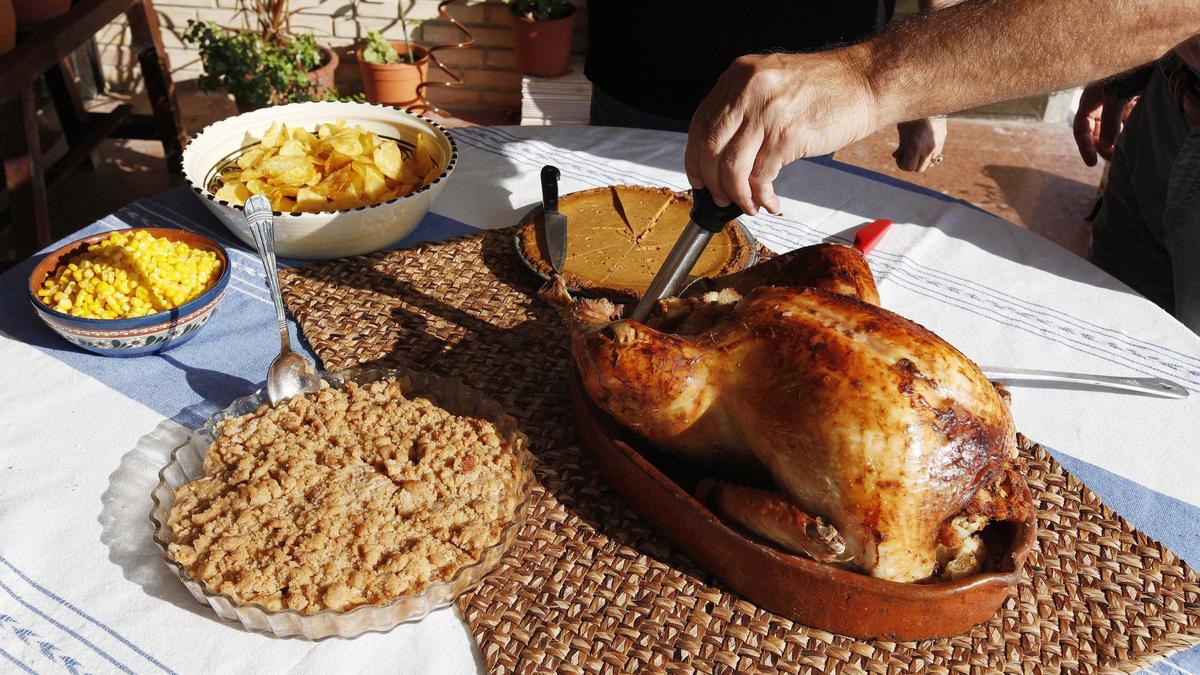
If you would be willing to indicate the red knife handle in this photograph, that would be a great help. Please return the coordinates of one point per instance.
(866, 238)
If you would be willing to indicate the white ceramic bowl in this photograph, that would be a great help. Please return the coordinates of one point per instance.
(325, 234)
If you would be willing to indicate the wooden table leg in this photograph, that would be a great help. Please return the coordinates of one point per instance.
(64, 92)
(23, 174)
(156, 71)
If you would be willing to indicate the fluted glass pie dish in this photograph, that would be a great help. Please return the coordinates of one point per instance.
(187, 464)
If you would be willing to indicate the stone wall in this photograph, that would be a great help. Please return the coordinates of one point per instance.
(492, 84)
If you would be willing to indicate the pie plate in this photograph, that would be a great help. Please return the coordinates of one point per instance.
(187, 463)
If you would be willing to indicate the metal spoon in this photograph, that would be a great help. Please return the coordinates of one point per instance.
(290, 373)
(1145, 385)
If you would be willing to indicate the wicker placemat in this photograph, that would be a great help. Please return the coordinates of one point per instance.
(588, 587)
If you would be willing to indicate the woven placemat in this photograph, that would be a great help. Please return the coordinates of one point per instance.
(589, 588)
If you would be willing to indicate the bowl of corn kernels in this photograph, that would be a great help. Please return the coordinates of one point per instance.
(130, 292)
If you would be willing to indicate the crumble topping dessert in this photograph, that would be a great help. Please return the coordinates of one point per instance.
(345, 497)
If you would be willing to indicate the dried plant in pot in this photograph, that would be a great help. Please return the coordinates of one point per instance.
(542, 36)
(265, 63)
(392, 69)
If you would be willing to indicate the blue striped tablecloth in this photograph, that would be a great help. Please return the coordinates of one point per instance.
(83, 589)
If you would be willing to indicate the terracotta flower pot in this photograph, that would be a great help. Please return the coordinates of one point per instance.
(395, 83)
(38, 11)
(8, 27)
(322, 75)
(543, 48)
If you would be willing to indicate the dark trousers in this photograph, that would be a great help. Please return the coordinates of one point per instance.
(609, 112)
(1147, 232)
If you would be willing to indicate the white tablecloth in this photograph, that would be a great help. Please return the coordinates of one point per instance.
(83, 588)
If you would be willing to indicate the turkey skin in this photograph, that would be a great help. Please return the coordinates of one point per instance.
(888, 451)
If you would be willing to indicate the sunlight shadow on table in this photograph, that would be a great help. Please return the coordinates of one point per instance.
(126, 529)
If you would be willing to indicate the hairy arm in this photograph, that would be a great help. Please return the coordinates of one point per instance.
(982, 51)
(769, 110)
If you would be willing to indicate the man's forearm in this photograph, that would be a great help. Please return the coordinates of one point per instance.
(983, 51)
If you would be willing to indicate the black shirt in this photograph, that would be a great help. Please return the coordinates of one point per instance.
(663, 56)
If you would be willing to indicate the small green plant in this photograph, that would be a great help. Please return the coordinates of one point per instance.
(256, 71)
(540, 10)
(379, 50)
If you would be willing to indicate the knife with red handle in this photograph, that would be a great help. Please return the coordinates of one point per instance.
(866, 238)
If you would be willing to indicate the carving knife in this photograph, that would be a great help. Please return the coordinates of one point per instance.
(707, 220)
(555, 223)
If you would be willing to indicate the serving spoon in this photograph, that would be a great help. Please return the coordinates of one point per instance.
(290, 373)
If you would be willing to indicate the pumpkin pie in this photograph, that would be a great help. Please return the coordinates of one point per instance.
(619, 236)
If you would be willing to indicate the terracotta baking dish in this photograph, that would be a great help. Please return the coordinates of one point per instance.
(657, 487)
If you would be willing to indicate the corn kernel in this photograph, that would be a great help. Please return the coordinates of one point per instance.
(127, 275)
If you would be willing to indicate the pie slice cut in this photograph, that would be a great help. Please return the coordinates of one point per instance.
(619, 236)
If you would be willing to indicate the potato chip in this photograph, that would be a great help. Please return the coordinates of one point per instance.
(346, 142)
(408, 173)
(272, 137)
(388, 159)
(336, 160)
(310, 200)
(234, 193)
(301, 134)
(373, 181)
(423, 156)
(340, 184)
(257, 187)
(293, 148)
(252, 157)
(287, 170)
(336, 166)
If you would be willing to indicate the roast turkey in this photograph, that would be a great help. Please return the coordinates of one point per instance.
(883, 448)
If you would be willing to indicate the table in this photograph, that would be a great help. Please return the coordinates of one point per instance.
(82, 437)
(26, 170)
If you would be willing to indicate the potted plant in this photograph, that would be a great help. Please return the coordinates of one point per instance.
(542, 35)
(265, 64)
(392, 70)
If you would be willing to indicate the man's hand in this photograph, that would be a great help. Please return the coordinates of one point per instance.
(767, 111)
(1099, 121)
(921, 143)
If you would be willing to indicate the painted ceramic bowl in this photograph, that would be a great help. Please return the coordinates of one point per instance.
(141, 335)
(324, 234)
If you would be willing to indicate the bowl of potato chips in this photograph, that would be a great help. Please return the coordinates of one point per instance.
(343, 178)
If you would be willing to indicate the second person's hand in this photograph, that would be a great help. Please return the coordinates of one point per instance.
(769, 110)
(1099, 121)
(921, 143)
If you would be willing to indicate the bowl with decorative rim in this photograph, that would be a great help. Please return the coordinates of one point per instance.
(187, 463)
(321, 234)
(137, 336)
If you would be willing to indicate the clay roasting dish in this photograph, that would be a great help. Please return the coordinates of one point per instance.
(822, 457)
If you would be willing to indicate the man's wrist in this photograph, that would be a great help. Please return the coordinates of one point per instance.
(860, 63)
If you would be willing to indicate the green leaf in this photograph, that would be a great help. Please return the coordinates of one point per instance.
(379, 50)
(257, 73)
(540, 10)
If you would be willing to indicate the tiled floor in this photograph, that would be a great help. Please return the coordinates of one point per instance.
(1025, 172)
